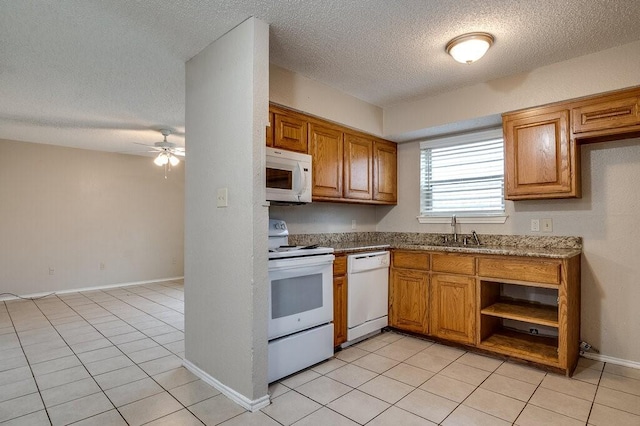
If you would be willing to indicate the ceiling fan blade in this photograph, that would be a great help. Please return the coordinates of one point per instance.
(179, 153)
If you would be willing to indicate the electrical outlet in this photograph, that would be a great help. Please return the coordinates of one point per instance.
(535, 225)
(353, 224)
(102, 266)
(51, 270)
(174, 260)
(547, 225)
(222, 198)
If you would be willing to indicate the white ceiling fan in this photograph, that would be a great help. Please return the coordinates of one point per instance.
(168, 152)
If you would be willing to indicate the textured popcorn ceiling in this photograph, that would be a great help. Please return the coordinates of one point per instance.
(102, 74)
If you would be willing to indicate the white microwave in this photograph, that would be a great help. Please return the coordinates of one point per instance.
(288, 176)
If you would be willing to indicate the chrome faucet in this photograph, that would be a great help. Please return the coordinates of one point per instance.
(453, 228)
(475, 237)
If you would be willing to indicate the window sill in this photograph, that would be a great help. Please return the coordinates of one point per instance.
(464, 219)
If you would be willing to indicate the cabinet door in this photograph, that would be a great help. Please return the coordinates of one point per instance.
(339, 310)
(385, 174)
(408, 300)
(290, 133)
(358, 156)
(326, 149)
(453, 307)
(609, 114)
(270, 130)
(540, 157)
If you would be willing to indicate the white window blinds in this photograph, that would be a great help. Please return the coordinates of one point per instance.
(463, 175)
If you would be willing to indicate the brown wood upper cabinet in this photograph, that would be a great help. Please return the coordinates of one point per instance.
(612, 112)
(358, 172)
(270, 130)
(385, 171)
(290, 133)
(326, 149)
(542, 158)
(348, 166)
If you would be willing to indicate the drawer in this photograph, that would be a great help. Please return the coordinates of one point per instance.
(453, 263)
(411, 260)
(539, 271)
(340, 265)
(606, 115)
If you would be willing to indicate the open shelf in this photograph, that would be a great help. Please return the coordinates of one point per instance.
(527, 346)
(534, 313)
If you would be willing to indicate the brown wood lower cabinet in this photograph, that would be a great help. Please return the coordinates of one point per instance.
(522, 307)
(409, 300)
(453, 307)
(339, 300)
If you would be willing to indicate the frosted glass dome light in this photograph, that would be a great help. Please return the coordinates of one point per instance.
(468, 48)
(161, 159)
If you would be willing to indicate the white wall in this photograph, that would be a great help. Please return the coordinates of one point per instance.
(226, 248)
(72, 209)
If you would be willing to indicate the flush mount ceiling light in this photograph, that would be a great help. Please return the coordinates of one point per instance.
(468, 48)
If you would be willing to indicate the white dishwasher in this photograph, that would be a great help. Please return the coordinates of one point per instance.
(368, 293)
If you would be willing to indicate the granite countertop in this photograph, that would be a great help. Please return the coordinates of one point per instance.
(506, 245)
(551, 253)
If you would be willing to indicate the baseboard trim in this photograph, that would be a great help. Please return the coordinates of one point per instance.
(243, 401)
(611, 360)
(100, 287)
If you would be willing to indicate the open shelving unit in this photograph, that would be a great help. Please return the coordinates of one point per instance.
(498, 308)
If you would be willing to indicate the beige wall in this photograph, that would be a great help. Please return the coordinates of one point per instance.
(301, 93)
(226, 248)
(296, 91)
(603, 71)
(73, 209)
(607, 217)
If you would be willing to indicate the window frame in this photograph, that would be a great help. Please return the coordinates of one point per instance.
(475, 217)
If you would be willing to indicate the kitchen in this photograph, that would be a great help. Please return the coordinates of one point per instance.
(612, 258)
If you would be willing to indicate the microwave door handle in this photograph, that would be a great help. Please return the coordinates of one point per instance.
(303, 178)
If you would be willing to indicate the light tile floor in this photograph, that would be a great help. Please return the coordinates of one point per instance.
(113, 357)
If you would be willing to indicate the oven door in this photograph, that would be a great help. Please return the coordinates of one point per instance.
(300, 294)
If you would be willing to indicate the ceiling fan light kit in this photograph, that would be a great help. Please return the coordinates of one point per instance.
(468, 48)
(167, 153)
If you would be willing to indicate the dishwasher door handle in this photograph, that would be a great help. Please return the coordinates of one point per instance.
(359, 263)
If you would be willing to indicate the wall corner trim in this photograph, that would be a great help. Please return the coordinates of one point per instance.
(243, 401)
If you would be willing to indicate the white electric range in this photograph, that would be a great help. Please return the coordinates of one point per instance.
(300, 304)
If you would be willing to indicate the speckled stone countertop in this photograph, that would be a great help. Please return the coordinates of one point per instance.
(505, 245)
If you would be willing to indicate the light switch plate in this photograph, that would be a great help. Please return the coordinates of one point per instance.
(222, 198)
(547, 225)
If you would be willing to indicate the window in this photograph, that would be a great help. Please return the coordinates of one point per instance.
(463, 175)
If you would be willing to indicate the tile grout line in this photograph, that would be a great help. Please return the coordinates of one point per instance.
(596, 394)
(127, 356)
